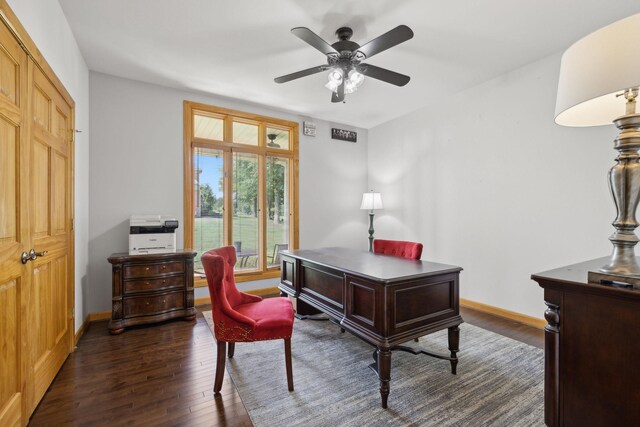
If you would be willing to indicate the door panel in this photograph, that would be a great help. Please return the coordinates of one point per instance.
(51, 209)
(40, 190)
(9, 72)
(58, 184)
(41, 107)
(8, 174)
(14, 282)
(10, 395)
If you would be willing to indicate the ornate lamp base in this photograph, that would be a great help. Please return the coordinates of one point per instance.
(624, 183)
(371, 231)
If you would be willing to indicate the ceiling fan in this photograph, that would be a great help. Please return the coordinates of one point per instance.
(344, 59)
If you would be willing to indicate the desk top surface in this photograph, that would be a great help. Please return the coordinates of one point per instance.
(378, 267)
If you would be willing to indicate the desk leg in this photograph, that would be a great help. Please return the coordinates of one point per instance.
(454, 341)
(384, 373)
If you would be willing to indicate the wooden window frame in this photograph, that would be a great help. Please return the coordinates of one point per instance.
(227, 146)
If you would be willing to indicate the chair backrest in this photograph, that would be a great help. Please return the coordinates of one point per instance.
(276, 251)
(218, 267)
(399, 248)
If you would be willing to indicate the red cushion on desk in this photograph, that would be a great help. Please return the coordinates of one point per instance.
(273, 317)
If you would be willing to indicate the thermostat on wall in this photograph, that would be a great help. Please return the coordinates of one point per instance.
(309, 129)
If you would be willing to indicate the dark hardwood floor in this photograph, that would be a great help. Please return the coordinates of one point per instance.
(163, 375)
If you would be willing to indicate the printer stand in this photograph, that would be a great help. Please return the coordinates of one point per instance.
(151, 288)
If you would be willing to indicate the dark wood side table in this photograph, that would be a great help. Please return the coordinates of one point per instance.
(151, 288)
(592, 349)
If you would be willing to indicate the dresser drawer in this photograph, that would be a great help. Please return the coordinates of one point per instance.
(157, 284)
(147, 270)
(135, 306)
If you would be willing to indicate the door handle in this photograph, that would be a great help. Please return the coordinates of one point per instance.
(31, 256)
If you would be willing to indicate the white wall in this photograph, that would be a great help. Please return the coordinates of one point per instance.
(136, 168)
(48, 27)
(487, 180)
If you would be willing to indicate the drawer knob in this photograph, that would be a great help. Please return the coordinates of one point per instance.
(164, 281)
(147, 283)
(147, 269)
(164, 266)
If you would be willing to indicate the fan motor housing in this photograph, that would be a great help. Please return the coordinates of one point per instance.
(344, 45)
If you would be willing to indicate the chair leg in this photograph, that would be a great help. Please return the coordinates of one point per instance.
(287, 358)
(222, 349)
(232, 347)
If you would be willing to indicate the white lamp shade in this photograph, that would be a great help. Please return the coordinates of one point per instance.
(594, 70)
(371, 201)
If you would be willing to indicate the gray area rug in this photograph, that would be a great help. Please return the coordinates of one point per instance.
(499, 381)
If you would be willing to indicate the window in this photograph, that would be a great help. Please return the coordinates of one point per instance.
(240, 187)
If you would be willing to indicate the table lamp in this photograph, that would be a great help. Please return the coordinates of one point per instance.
(371, 201)
(598, 84)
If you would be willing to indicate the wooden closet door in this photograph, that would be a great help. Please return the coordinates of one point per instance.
(14, 221)
(50, 311)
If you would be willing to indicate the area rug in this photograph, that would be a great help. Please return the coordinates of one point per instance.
(499, 381)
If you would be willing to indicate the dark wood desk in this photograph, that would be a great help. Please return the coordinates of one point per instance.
(381, 299)
(592, 345)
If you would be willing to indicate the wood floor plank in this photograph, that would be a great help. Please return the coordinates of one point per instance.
(162, 375)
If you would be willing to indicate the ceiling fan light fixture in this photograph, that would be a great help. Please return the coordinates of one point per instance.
(356, 78)
(349, 87)
(335, 79)
(336, 75)
(332, 85)
(344, 59)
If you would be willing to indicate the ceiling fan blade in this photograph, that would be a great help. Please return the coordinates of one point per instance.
(383, 74)
(399, 34)
(302, 73)
(314, 40)
(338, 95)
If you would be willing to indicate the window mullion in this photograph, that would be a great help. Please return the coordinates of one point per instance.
(228, 192)
(262, 217)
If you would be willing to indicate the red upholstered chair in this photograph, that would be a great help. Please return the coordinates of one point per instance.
(240, 317)
(399, 248)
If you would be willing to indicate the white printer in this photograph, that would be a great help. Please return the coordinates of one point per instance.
(152, 234)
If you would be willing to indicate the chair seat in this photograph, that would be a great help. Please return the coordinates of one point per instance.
(273, 316)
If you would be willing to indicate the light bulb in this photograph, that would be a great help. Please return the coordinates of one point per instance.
(356, 78)
(349, 87)
(335, 79)
(332, 85)
(335, 75)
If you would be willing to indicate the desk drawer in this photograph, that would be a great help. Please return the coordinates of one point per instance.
(144, 305)
(148, 270)
(324, 285)
(158, 284)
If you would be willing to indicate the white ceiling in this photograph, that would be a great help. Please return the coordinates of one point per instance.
(235, 48)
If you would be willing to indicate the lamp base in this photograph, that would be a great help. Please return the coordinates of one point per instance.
(371, 231)
(624, 184)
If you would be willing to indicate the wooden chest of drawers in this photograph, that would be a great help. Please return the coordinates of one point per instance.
(151, 288)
